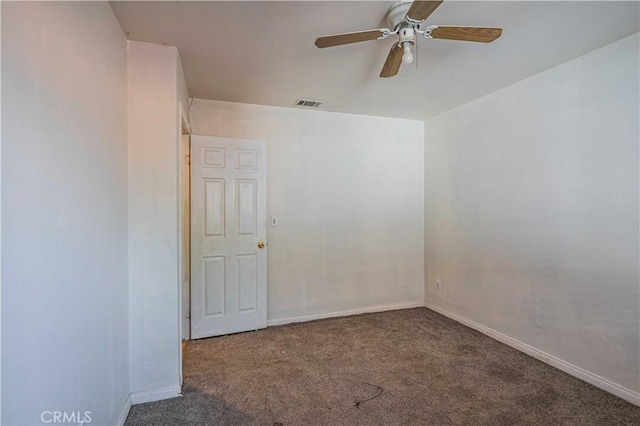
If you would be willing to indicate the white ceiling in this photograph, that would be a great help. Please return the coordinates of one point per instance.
(263, 52)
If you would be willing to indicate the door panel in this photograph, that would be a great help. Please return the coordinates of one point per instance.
(247, 273)
(214, 285)
(214, 206)
(228, 220)
(246, 202)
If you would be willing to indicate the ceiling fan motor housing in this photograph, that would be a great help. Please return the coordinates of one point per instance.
(397, 13)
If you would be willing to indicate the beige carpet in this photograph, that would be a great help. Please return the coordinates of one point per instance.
(394, 368)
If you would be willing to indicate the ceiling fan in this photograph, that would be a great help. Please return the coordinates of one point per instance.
(406, 18)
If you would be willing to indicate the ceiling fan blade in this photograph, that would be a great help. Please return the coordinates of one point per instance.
(347, 38)
(480, 34)
(420, 10)
(393, 62)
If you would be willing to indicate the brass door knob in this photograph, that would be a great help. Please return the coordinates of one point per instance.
(261, 244)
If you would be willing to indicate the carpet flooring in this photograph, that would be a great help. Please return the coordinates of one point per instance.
(407, 367)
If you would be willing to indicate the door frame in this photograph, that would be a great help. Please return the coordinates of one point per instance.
(183, 129)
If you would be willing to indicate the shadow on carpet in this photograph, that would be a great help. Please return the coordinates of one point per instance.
(193, 408)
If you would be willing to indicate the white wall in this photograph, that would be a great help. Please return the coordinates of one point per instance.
(532, 212)
(347, 191)
(64, 212)
(154, 130)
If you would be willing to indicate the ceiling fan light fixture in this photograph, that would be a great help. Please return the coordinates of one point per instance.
(407, 56)
(407, 34)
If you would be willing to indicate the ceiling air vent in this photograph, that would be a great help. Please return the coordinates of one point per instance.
(308, 103)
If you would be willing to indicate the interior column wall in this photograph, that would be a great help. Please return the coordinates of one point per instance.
(156, 92)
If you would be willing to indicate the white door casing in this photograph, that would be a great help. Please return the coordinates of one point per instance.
(185, 205)
(228, 221)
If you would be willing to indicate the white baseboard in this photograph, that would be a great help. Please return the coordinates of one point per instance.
(155, 395)
(357, 311)
(567, 367)
(124, 412)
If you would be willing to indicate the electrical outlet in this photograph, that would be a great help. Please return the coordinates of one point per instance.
(438, 285)
(274, 222)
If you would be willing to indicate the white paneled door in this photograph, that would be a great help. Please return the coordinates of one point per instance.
(228, 236)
